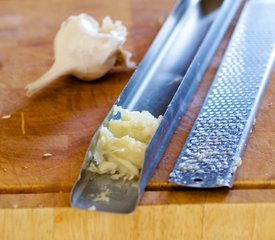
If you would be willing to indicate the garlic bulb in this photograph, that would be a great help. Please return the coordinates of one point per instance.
(86, 50)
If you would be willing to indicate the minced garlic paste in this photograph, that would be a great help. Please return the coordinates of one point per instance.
(121, 145)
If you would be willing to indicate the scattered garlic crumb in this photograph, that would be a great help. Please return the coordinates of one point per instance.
(15, 205)
(47, 155)
(3, 169)
(8, 116)
(92, 208)
(237, 161)
(103, 196)
(25, 167)
(23, 123)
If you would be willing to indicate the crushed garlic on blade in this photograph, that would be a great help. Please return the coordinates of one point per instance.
(86, 50)
(121, 145)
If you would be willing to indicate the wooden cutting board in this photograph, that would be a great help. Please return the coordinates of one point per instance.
(62, 118)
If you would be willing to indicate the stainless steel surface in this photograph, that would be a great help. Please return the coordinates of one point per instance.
(213, 149)
(185, 33)
(169, 57)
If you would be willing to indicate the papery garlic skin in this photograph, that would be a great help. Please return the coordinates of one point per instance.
(86, 50)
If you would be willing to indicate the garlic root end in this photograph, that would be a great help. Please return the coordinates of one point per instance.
(53, 74)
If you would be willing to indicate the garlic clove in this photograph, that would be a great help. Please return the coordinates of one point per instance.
(86, 50)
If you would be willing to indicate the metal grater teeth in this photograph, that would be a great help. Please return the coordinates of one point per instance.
(213, 149)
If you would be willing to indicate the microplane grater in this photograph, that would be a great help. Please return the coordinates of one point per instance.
(213, 149)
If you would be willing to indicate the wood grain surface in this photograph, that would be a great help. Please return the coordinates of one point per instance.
(197, 222)
(61, 120)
